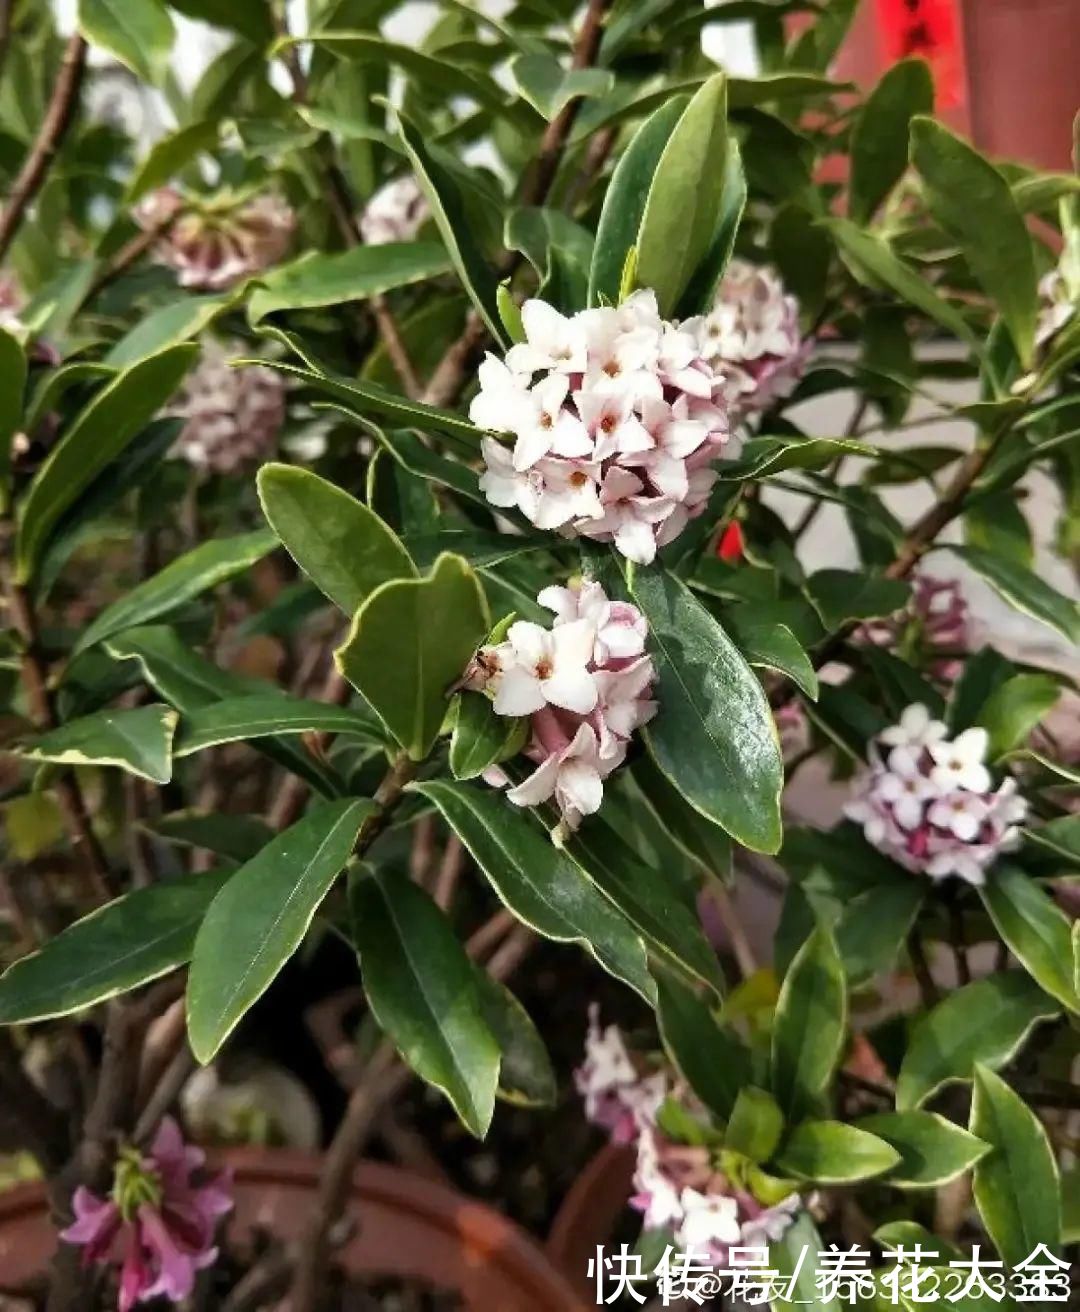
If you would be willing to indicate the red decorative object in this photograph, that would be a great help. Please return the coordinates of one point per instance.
(930, 29)
(730, 546)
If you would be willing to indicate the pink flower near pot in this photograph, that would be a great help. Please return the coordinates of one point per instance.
(157, 1225)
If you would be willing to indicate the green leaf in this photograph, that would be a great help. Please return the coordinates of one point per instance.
(537, 881)
(755, 1126)
(410, 643)
(932, 1150)
(114, 417)
(13, 372)
(985, 1023)
(762, 456)
(451, 216)
(972, 202)
(701, 290)
(624, 203)
(773, 647)
(178, 583)
(1035, 928)
(879, 140)
(995, 523)
(526, 1076)
(650, 900)
(810, 1026)
(983, 673)
(138, 741)
(830, 1152)
(715, 740)
(260, 917)
(799, 1277)
(170, 325)
(1017, 1189)
(871, 257)
(560, 250)
(251, 18)
(342, 546)
(235, 838)
(481, 738)
(422, 990)
(711, 1059)
(1024, 589)
(240, 718)
(127, 943)
(1012, 710)
(698, 837)
(169, 156)
(683, 205)
(1061, 836)
(316, 280)
(549, 88)
(478, 546)
(841, 595)
(362, 398)
(139, 33)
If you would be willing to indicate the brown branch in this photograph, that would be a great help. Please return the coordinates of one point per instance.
(127, 257)
(54, 128)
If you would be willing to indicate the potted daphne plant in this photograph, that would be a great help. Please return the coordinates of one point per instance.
(410, 463)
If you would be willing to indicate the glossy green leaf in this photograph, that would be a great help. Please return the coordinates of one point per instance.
(1061, 836)
(1035, 928)
(649, 899)
(1024, 589)
(972, 202)
(138, 741)
(984, 1023)
(810, 1027)
(624, 203)
(139, 33)
(711, 1059)
(716, 741)
(683, 205)
(701, 290)
(549, 88)
(179, 582)
(526, 1076)
(480, 547)
(795, 1258)
(879, 140)
(251, 18)
(260, 917)
(871, 257)
(129, 942)
(996, 523)
(410, 643)
(983, 673)
(422, 990)
(235, 838)
(830, 1152)
(342, 546)
(337, 279)
(451, 216)
(755, 1126)
(481, 738)
(762, 456)
(1015, 708)
(773, 647)
(841, 595)
(115, 416)
(13, 371)
(1017, 1189)
(698, 837)
(560, 250)
(170, 325)
(240, 718)
(537, 881)
(169, 156)
(932, 1150)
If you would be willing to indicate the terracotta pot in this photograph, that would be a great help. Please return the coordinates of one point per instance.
(407, 1227)
(590, 1213)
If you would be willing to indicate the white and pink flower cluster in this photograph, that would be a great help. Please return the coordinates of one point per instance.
(616, 417)
(157, 1227)
(396, 212)
(929, 802)
(678, 1187)
(936, 623)
(585, 685)
(231, 415)
(751, 336)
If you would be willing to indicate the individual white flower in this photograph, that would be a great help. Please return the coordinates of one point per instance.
(505, 486)
(612, 426)
(629, 516)
(620, 628)
(656, 1195)
(959, 763)
(574, 777)
(622, 703)
(709, 1221)
(568, 491)
(771, 1225)
(906, 790)
(543, 427)
(502, 393)
(961, 813)
(546, 666)
(917, 729)
(552, 341)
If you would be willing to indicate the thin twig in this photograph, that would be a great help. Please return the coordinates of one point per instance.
(919, 964)
(54, 128)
